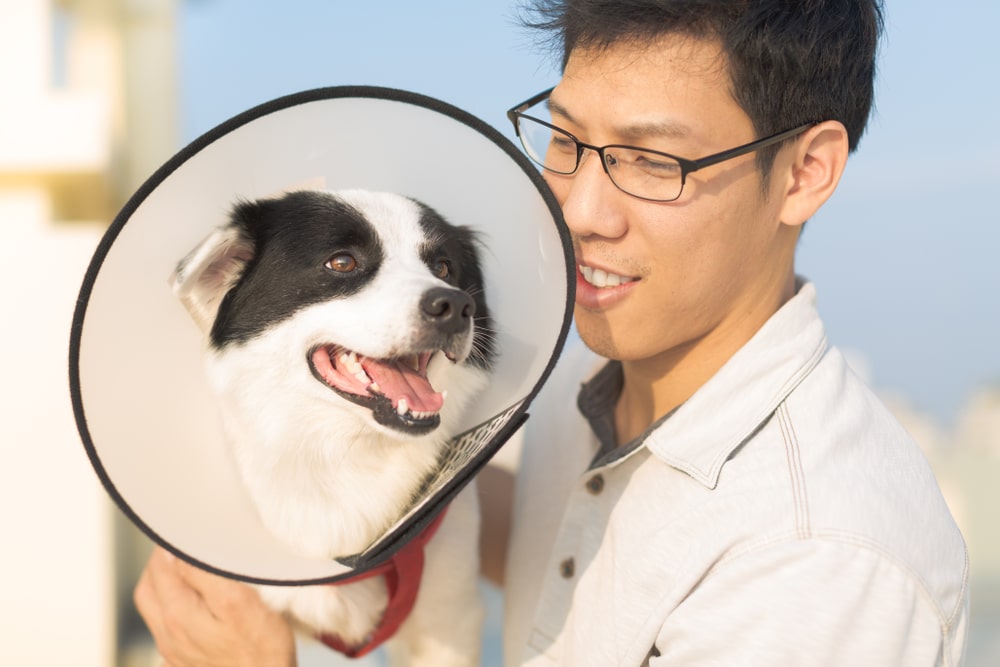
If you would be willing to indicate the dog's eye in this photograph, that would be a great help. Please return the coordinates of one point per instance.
(441, 269)
(342, 263)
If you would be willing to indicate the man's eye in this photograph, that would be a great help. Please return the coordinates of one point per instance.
(562, 144)
(666, 168)
(652, 166)
(342, 263)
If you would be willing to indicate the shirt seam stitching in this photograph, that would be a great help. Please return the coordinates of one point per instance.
(710, 478)
(800, 497)
(945, 619)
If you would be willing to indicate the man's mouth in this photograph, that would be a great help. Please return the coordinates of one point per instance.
(600, 278)
(396, 390)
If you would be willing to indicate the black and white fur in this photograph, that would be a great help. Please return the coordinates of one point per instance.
(288, 291)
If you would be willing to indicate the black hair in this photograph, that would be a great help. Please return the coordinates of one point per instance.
(790, 62)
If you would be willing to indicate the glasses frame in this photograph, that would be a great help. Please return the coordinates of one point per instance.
(687, 166)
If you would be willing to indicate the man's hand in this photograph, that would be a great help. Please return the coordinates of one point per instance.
(200, 619)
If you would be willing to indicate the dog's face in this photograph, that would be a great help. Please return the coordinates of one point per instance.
(369, 298)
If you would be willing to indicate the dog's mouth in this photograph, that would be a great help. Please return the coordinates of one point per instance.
(396, 390)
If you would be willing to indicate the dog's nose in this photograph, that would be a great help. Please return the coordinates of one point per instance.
(449, 310)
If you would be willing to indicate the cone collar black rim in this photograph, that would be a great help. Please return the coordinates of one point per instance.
(95, 368)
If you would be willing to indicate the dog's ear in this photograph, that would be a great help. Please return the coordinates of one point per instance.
(207, 273)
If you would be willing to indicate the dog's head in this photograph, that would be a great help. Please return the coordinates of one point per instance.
(364, 296)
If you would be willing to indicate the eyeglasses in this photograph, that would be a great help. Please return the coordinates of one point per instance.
(640, 172)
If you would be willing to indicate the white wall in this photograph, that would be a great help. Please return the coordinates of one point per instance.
(56, 599)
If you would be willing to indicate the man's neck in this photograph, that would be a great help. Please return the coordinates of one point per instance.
(655, 386)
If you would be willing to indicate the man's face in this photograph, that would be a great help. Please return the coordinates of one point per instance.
(700, 273)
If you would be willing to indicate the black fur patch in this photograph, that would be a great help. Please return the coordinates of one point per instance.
(293, 238)
(459, 246)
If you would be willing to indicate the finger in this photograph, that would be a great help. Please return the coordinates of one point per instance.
(171, 592)
(144, 597)
(232, 623)
(218, 595)
(156, 602)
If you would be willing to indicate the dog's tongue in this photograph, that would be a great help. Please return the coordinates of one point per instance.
(397, 380)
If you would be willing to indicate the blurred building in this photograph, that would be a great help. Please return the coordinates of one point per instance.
(87, 96)
(979, 423)
(966, 460)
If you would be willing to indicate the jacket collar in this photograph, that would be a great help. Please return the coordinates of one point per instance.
(701, 435)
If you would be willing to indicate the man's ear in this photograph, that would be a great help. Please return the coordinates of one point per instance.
(813, 171)
(206, 274)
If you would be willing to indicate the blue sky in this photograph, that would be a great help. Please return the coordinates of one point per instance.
(905, 256)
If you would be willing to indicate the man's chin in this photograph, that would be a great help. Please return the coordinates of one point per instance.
(596, 332)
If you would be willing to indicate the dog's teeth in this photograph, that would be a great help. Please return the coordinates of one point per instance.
(374, 388)
(353, 364)
(444, 394)
(402, 408)
(350, 362)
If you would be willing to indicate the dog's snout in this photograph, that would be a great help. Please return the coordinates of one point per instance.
(450, 310)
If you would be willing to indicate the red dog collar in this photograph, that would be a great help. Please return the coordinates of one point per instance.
(402, 573)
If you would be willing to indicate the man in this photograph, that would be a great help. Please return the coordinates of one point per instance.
(731, 493)
(724, 491)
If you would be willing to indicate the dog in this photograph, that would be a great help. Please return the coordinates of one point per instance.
(346, 332)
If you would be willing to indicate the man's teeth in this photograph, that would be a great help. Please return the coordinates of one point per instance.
(601, 278)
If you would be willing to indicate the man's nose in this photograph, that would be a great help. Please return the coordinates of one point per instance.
(591, 203)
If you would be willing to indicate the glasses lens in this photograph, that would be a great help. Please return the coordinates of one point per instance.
(550, 147)
(644, 174)
(641, 173)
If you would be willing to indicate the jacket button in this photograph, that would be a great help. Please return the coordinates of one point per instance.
(595, 484)
(567, 568)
